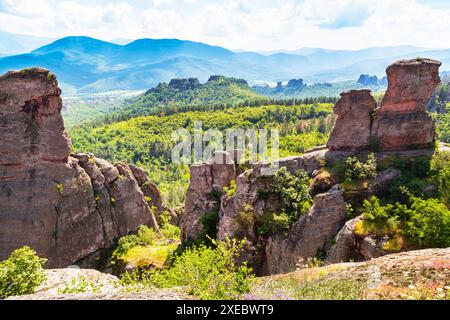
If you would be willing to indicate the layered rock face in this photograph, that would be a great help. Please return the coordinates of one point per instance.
(311, 234)
(203, 195)
(402, 122)
(65, 207)
(354, 118)
(349, 246)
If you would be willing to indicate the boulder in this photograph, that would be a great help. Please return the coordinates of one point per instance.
(311, 234)
(411, 84)
(354, 118)
(381, 183)
(402, 121)
(65, 207)
(350, 246)
(204, 192)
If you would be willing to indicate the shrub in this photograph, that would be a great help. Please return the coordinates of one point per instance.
(171, 232)
(208, 272)
(134, 281)
(428, 223)
(168, 230)
(293, 191)
(246, 221)
(425, 223)
(440, 174)
(79, 285)
(209, 226)
(273, 223)
(145, 237)
(375, 212)
(357, 170)
(231, 191)
(22, 273)
(125, 243)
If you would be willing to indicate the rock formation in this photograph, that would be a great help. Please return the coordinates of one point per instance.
(203, 195)
(350, 246)
(151, 193)
(65, 207)
(367, 80)
(310, 235)
(402, 121)
(296, 84)
(354, 118)
(184, 84)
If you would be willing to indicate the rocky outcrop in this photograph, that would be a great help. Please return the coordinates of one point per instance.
(409, 275)
(250, 185)
(151, 193)
(402, 121)
(101, 287)
(310, 235)
(184, 84)
(350, 246)
(354, 118)
(65, 207)
(204, 192)
(400, 124)
(367, 80)
(296, 84)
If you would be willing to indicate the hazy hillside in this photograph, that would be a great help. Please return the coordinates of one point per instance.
(190, 93)
(92, 65)
(87, 65)
(315, 90)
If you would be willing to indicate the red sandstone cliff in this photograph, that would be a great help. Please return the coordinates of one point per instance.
(65, 207)
(402, 122)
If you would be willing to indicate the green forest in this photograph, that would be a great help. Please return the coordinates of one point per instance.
(139, 131)
(147, 141)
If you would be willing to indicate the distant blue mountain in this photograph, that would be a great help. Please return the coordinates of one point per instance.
(90, 65)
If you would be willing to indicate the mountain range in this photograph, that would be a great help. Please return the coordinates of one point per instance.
(87, 65)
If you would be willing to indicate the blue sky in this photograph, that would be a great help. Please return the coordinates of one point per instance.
(239, 24)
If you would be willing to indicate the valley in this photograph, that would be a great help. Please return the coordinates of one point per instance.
(359, 178)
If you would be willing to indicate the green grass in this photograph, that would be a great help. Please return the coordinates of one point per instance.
(155, 255)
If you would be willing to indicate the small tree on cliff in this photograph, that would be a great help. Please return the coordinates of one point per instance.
(21, 274)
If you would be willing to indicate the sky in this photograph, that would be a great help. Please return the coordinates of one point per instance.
(256, 25)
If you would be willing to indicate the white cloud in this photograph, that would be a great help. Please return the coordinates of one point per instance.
(249, 24)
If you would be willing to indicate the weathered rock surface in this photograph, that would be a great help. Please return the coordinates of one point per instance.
(249, 187)
(354, 118)
(381, 183)
(402, 122)
(350, 246)
(203, 195)
(65, 207)
(105, 288)
(411, 84)
(422, 274)
(151, 192)
(310, 235)
(401, 125)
